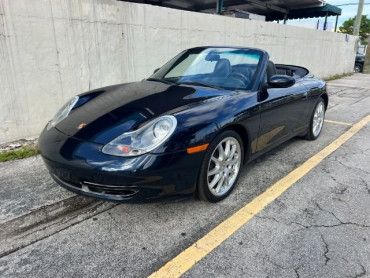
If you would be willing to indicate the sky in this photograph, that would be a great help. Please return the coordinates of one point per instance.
(348, 11)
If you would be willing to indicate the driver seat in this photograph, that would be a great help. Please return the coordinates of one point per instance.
(222, 68)
(270, 70)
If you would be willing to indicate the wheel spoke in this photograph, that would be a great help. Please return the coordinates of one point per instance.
(216, 161)
(221, 153)
(214, 171)
(215, 180)
(232, 152)
(232, 171)
(227, 149)
(226, 180)
(220, 183)
(234, 161)
(315, 129)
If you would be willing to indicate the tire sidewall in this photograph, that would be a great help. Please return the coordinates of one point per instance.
(203, 190)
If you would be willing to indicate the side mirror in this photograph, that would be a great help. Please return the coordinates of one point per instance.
(281, 81)
(156, 70)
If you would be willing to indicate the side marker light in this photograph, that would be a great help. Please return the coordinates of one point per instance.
(197, 149)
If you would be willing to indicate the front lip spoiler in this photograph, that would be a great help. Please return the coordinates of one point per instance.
(84, 188)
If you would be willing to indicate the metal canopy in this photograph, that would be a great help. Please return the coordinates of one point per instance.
(254, 6)
(271, 9)
(324, 11)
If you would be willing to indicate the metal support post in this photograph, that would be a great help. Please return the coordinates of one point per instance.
(219, 4)
(326, 21)
(336, 24)
(356, 27)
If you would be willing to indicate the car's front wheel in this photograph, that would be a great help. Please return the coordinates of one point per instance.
(316, 121)
(221, 166)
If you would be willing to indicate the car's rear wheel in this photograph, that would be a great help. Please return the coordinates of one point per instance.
(316, 121)
(358, 67)
(221, 166)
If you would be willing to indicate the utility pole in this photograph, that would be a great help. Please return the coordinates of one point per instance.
(356, 27)
(366, 68)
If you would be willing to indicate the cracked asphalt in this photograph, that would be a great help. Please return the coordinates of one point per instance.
(320, 227)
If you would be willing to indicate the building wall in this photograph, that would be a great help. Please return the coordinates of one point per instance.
(52, 50)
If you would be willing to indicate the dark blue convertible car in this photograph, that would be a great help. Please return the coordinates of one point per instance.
(186, 130)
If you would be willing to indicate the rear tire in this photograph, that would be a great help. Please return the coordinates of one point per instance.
(316, 120)
(221, 167)
(358, 67)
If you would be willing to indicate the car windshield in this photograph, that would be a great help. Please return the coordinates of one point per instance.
(220, 68)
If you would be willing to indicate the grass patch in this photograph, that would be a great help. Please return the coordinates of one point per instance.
(338, 76)
(23, 152)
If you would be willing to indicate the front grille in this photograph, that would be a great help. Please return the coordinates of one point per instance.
(114, 191)
(126, 191)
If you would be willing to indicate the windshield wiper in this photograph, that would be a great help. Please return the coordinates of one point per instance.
(161, 80)
(200, 84)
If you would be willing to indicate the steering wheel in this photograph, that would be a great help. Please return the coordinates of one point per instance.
(240, 76)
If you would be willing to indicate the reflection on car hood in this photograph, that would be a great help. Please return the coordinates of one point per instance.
(108, 112)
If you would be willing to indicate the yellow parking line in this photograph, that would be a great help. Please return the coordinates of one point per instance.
(337, 122)
(189, 257)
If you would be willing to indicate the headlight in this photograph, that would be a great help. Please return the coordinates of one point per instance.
(63, 112)
(143, 140)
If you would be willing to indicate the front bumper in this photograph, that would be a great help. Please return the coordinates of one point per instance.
(81, 167)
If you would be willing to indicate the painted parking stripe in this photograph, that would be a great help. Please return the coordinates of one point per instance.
(338, 123)
(192, 255)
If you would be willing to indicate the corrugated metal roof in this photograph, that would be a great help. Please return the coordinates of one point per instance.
(272, 9)
(201, 5)
(328, 10)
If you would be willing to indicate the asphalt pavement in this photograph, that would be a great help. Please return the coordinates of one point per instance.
(319, 227)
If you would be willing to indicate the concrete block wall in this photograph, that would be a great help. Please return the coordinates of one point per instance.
(51, 50)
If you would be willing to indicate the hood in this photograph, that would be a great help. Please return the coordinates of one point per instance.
(103, 114)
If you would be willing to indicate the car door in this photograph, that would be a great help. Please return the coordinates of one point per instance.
(281, 111)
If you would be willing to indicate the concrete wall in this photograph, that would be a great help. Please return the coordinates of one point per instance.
(51, 50)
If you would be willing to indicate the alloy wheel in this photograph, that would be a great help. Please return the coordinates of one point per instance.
(357, 69)
(318, 119)
(224, 166)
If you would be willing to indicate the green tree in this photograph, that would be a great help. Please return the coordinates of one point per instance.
(347, 27)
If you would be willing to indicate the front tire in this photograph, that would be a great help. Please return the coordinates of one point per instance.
(221, 166)
(316, 121)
